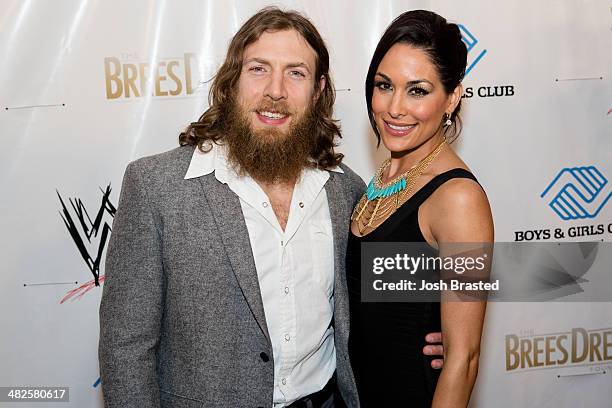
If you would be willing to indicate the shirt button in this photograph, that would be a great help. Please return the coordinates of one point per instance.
(264, 204)
(287, 337)
(301, 204)
(284, 381)
(287, 290)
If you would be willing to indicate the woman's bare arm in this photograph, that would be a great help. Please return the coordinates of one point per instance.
(459, 214)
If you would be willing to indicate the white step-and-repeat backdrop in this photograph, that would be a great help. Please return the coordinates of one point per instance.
(87, 86)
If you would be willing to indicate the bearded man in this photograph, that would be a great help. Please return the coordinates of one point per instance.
(225, 282)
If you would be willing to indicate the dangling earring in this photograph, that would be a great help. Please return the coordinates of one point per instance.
(448, 120)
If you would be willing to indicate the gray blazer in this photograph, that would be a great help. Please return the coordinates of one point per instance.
(181, 319)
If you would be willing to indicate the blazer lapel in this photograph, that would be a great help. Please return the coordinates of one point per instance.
(340, 212)
(232, 229)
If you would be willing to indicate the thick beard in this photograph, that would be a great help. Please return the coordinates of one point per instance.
(269, 155)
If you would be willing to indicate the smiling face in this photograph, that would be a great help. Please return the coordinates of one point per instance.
(276, 85)
(409, 100)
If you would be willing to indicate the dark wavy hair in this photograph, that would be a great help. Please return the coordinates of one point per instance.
(441, 41)
(209, 126)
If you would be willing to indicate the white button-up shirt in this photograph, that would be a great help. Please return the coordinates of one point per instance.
(295, 268)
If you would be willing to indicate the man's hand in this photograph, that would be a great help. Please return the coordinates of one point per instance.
(434, 349)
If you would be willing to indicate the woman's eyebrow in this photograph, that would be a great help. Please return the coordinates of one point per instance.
(409, 83)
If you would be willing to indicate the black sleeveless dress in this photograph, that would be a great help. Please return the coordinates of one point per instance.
(386, 339)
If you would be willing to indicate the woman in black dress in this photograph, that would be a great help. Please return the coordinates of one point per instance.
(423, 193)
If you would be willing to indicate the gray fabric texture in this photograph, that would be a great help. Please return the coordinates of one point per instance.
(182, 322)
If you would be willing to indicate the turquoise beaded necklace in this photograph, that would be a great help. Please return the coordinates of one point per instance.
(377, 191)
(374, 192)
(398, 184)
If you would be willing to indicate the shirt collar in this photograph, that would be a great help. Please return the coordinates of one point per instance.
(203, 163)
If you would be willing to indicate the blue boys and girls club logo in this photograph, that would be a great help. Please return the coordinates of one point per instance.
(578, 193)
(470, 42)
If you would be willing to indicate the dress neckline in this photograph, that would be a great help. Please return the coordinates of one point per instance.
(405, 205)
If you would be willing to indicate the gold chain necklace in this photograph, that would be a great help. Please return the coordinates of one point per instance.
(386, 198)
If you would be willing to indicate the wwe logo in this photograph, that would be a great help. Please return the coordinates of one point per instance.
(470, 42)
(83, 229)
(580, 193)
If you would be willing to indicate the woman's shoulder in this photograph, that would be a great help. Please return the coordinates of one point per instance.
(457, 206)
(458, 190)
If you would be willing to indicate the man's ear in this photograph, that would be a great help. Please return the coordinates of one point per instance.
(322, 83)
(455, 98)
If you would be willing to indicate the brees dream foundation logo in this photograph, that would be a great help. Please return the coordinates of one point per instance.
(576, 348)
(125, 77)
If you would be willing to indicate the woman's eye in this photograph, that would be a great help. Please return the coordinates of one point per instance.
(417, 91)
(383, 86)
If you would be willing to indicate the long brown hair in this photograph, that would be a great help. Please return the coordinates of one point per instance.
(209, 126)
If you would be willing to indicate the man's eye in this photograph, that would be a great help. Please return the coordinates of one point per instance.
(383, 86)
(298, 74)
(257, 69)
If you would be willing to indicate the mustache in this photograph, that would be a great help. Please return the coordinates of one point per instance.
(273, 106)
